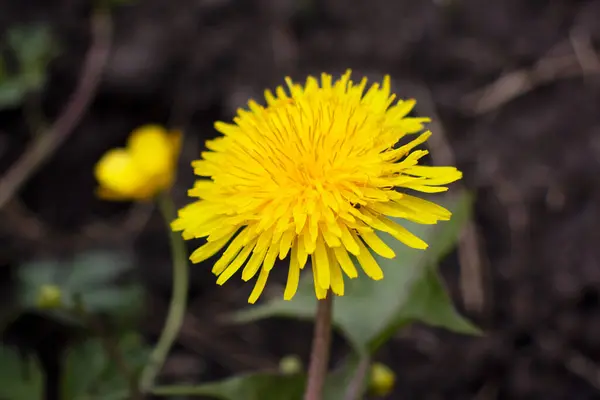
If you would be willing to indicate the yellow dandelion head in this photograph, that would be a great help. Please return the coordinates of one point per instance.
(312, 174)
(142, 169)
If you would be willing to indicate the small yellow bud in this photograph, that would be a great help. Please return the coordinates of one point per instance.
(141, 170)
(49, 297)
(290, 365)
(381, 379)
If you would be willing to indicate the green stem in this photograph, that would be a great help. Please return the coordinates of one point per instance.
(178, 299)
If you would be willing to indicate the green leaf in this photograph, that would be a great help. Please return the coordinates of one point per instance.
(83, 366)
(21, 378)
(94, 268)
(33, 48)
(90, 375)
(12, 93)
(266, 386)
(371, 311)
(256, 386)
(90, 276)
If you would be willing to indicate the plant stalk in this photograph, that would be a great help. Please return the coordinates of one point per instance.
(178, 303)
(319, 356)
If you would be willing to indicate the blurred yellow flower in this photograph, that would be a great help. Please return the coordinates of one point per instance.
(49, 297)
(312, 174)
(381, 379)
(144, 168)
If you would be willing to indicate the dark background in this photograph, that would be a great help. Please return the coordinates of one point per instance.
(532, 159)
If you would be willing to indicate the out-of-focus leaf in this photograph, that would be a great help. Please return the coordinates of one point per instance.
(96, 267)
(32, 45)
(21, 378)
(83, 366)
(90, 277)
(12, 93)
(38, 273)
(411, 290)
(33, 49)
(266, 386)
(256, 386)
(90, 375)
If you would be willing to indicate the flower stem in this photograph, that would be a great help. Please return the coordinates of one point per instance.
(178, 299)
(319, 356)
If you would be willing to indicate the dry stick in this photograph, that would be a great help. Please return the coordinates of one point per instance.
(47, 143)
(581, 42)
(516, 83)
(319, 356)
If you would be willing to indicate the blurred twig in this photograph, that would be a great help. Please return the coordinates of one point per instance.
(511, 85)
(46, 144)
(584, 368)
(584, 51)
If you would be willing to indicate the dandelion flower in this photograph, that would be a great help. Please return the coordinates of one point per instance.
(142, 169)
(312, 174)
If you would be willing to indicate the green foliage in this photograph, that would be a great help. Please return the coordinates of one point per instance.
(372, 311)
(32, 48)
(266, 386)
(89, 374)
(21, 378)
(90, 278)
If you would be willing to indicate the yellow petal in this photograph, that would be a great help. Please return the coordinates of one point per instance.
(293, 276)
(378, 245)
(302, 254)
(151, 148)
(258, 256)
(232, 250)
(367, 261)
(321, 260)
(271, 256)
(337, 280)
(402, 234)
(319, 291)
(330, 238)
(259, 286)
(424, 206)
(209, 249)
(345, 261)
(117, 175)
(286, 243)
(236, 264)
(349, 241)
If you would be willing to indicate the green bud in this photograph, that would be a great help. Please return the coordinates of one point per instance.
(290, 365)
(49, 297)
(381, 379)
